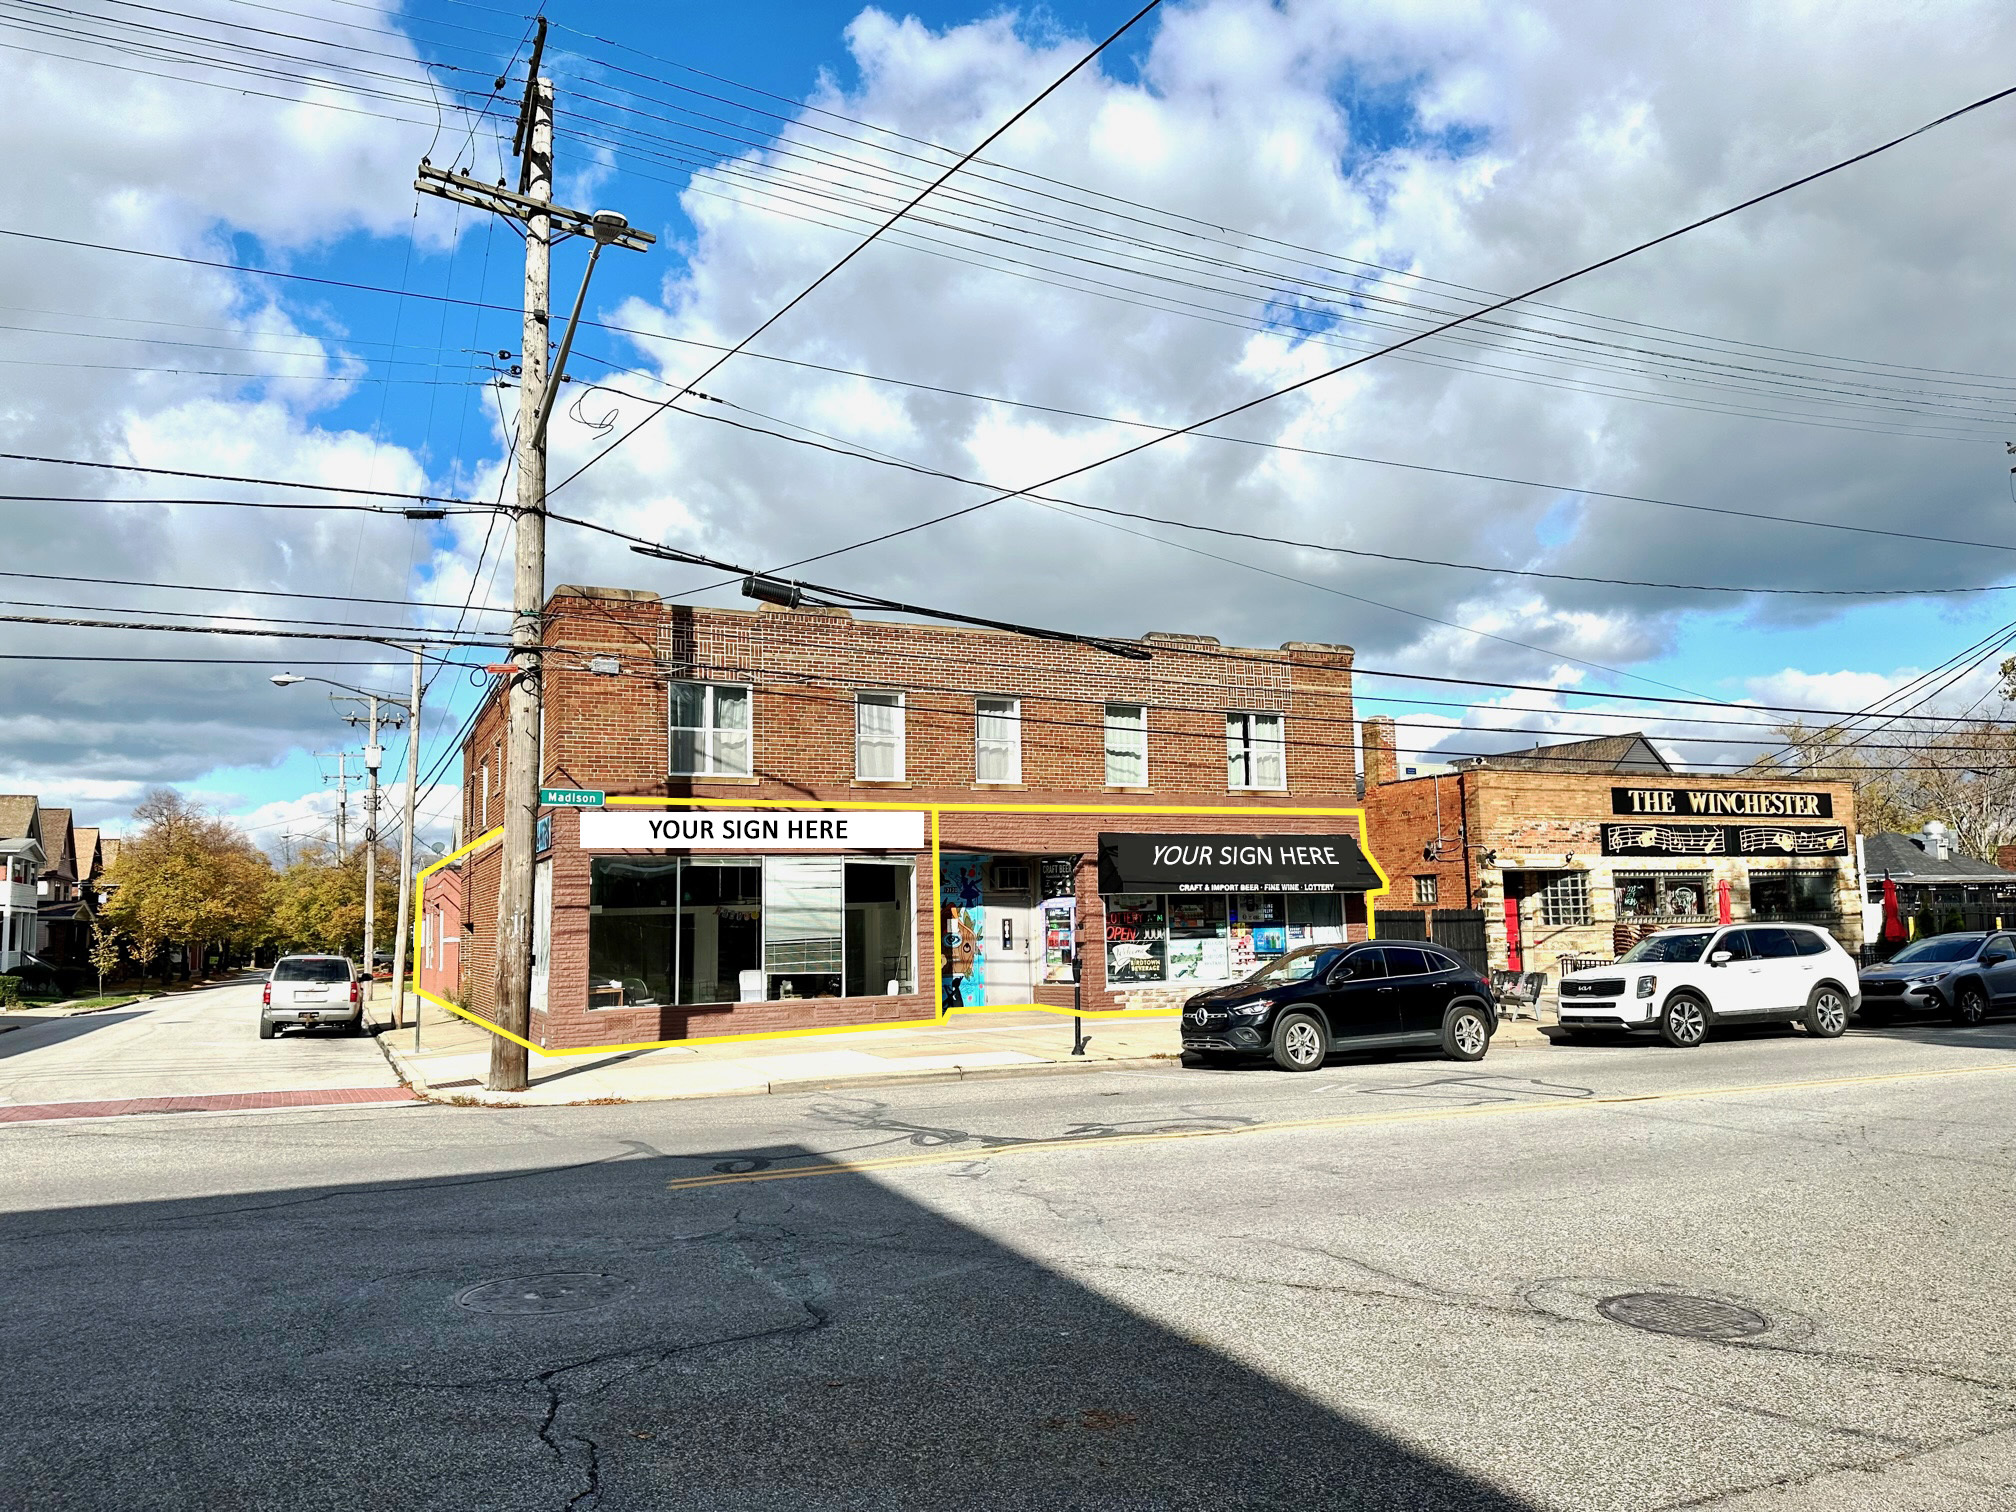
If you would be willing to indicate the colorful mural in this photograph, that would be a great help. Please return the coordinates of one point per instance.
(962, 927)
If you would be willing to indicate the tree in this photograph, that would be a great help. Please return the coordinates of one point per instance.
(190, 879)
(105, 952)
(317, 903)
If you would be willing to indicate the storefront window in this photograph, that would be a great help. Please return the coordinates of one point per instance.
(1259, 930)
(666, 931)
(1137, 938)
(1806, 895)
(1199, 936)
(1664, 895)
(879, 935)
(1564, 898)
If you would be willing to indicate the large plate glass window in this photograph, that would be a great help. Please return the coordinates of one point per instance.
(878, 737)
(710, 730)
(667, 930)
(804, 926)
(1126, 745)
(1254, 751)
(880, 937)
(1806, 894)
(997, 739)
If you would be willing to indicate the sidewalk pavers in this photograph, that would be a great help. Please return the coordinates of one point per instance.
(455, 1054)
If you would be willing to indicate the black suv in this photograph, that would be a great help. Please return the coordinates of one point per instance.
(1377, 995)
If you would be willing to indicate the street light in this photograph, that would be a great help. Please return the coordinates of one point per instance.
(374, 756)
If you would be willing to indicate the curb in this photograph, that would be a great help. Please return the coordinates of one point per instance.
(479, 1097)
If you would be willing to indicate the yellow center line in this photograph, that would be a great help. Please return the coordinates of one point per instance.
(1338, 1121)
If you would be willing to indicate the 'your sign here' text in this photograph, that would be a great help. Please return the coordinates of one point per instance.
(743, 829)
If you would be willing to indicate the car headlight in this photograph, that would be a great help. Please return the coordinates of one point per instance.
(1253, 1009)
(1926, 981)
(1646, 985)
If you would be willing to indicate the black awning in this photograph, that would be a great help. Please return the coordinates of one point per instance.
(1233, 863)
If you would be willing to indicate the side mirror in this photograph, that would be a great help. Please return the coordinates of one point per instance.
(1721, 958)
(1994, 958)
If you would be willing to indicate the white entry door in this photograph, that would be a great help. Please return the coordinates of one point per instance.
(1012, 945)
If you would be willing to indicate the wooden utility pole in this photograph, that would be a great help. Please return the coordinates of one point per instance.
(532, 204)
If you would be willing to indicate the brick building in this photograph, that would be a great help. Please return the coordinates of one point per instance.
(441, 934)
(1576, 850)
(669, 921)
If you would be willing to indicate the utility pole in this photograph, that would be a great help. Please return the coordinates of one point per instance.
(532, 204)
(374, 757)
(342, 781)
(406, 855)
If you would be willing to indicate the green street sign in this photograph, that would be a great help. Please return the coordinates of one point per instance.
(570, 797)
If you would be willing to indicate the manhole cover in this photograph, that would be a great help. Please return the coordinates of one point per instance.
(555, 1292)
(1688, 1317)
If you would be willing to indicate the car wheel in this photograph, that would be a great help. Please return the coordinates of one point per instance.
(1466, 1034)
(1826, 1013)
(357, 1029)
(1970, 1006)
(265, 1028)
(1299, 1042)
(1684, 1023)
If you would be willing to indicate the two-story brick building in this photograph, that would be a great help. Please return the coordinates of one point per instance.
(1153, 815)
(1578, 849)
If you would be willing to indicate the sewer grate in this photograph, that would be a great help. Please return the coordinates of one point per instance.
(1684, 1316)
(555, 1292)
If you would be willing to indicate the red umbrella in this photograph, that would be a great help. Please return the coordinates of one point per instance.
(1893, 919)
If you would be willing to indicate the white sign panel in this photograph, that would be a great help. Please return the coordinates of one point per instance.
(746, 829)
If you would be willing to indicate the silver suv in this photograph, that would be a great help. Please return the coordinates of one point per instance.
(311, 990)
(1681, 981)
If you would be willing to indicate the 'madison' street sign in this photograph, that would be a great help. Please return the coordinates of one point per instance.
(571, 797)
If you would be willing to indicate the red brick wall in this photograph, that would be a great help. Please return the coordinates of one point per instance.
(610, 733)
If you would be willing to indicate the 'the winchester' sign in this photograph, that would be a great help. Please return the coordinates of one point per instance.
(1719, 803)
(759, 829)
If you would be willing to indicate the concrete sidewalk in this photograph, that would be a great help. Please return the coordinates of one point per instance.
(455, 1054)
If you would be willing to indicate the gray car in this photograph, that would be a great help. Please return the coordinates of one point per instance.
(311, 990)
(1963, 976)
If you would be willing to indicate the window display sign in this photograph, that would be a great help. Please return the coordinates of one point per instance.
(752, 829)
(1059, 876)
(1137, 940)
(1233, 864)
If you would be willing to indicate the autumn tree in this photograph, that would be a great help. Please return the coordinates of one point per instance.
(189, 878)
(317, 903)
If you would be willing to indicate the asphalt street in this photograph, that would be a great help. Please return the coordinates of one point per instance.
(188, 1043)
(1389, 1284)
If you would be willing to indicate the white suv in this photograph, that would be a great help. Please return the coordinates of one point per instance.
(1680, 981)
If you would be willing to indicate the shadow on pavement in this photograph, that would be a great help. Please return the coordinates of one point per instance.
(819, 1341)
(41, 1033)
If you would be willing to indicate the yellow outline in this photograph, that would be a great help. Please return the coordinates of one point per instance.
(937, 928)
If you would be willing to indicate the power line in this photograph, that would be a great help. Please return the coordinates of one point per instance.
(867, 241)
(1460, 320)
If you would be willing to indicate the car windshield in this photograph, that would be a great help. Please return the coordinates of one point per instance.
(1672, 947)
(312, 969)
(1296, 966)
(1940, 948)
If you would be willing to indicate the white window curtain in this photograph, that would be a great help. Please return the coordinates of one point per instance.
(710, 730)
(804, 914)
(1126, 745)
(878, 737)
(1254, 755)
(997, 752)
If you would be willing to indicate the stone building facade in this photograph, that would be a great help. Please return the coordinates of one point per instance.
(1574, 851)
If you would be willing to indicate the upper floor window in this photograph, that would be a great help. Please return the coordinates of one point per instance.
(878, 737)
(1126, 745)
(997, 739)
(483, 801)
(710, 730)
(1253, 751)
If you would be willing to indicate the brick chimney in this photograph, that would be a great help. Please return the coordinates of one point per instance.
(1376, 756)
(2005, 857)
